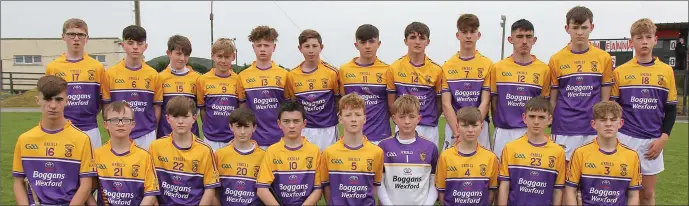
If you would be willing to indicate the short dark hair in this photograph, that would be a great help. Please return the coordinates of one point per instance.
(118, 107)
(134, 32)
(366, 32)
(309, 34)
(469, 115)
(263, 33)
(538, 104)
(50, 86)
(179, 42)
(243, 117)
(468, 22)
(417, 27)
(291, 106)
(180, 106)
(522, 24)
(578, 15)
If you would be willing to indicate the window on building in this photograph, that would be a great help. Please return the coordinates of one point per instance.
(27, 59)
(100, 58)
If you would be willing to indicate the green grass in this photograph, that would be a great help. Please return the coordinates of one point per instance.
(672, 188)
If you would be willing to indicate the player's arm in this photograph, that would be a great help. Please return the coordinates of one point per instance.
(208, 196)
(561, 178)
(84, 191)
(19, 186)
(570, 196)
(557, 196)
(265, 196)
(87, 174)
(503, 192)
(157, 98)
(573, 177)
(382, 194)
(633, 197)
(200, 95)
(391, 101)
(317, 184)
(432, 191)
(378, 168)
(314, 197)
(211, 179)
(504, 178)
(392, 91)
(449, 112)
(440, 176)
(554, 84)
(606, 88)
(91, 201)
(149, 200)
(20, 191)
(265, 179)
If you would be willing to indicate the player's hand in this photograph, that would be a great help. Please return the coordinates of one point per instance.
(656, 147)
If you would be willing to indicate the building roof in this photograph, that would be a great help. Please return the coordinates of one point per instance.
(91, 38)
(674, 25)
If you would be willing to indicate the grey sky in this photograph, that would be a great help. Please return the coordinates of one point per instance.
(336, 21)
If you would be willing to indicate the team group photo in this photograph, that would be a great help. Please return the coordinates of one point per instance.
(587, 124)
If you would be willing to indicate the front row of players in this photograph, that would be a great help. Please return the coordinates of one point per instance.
(56, 160)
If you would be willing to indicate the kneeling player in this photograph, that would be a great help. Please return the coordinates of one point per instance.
(185, 164)
(126, 174)
(290, 165)
(409, 173)
(532, 167)
(240, 161)
(606, 172)
(467, 173)
(353, 165)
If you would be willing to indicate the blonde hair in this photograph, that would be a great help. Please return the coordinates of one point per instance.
(602, 109)
(223, 46)
(351, 101)
(469, 115)
(75, 23)
(641, 26)
(406, 104)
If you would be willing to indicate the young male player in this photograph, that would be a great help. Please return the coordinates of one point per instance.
(185, 165)
(133, 81)
(605, 171)
(290, 167)
(465, 81)
(368, 77)
(314, 84)
(532, 168)
(240, 161)
(264, 85)
(645, 88)
(513, 81)
(178, 79)
(410, 161)
(467, 173)
(54, 157)
(581, 77)
(126, 174)
(83, 75)
(218, 95)
(418, 75)
(352, 167)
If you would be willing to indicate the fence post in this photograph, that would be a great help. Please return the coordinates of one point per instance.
(11, 84)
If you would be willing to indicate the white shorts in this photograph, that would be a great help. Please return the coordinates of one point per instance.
(503, 136)
(215, 145)
(648, 167)
(321, 137)
(572, 142)
(430, 133)
(483, 138)
(146, 140)
(94, 135)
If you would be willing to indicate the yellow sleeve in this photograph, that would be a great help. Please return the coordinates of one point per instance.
(555, 73)
(390, 79)
(504, 162)
(88, 164)
(157, 90)
(493, 179)
(444, 86)
(265, 174)
(487, 79)
(615, 91)
(378, 167)
(317, 176)
(493, 77)
(574, 170)
(440, 173)
(546, 84)
(561, 170)
(17, 167)
(323, 167)
(341, 79)
(201, 92)
(607, 70)
(211, 177)
(335, 81)
(105, 88)
(672, 89)
(240, 90)
(150, 179)
(635, 184)
(440, 82)
(289, 86)
(49, 70)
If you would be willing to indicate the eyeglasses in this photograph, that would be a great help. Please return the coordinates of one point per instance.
(124, 121)
(74, 35)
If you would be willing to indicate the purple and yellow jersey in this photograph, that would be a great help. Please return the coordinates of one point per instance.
(125, 179)
(351, 173)
(219, 96)
(533, 171)
(183, 173)
(140, 88)
(514, 84)
(604, 177)
(176, 85)
(238, 172)
(316, 91)
(264, 89)
(53, 162)
(408, 169)
(579, 77)
(466, 179)
(371, 83)
(465, 79)
(422, 81)
(84, 77)
(643, 91)
(291, 172)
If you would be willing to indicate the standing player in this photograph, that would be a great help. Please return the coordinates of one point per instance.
(418, 75)
(240, 161)
(466, 82)
(352, 167)
(605, 171)
(645, 88)
(218, 95)
(264, 85)
(369, 77)
(126, 174)
(178, 79)
(83, 75)
(467, 173)
(185, 165)
(290, 167)
(410, 161)
(581, 77)
(133, 81)
(314, 84)
(532, 168)
(54, 157)
(513, 81)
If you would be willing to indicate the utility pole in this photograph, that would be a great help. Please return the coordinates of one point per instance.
(212, 62)
(502, 24)
(137, 13)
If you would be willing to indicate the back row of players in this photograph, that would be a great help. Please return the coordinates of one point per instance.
(577, 77)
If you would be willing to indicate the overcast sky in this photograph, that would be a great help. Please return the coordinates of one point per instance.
(336, 21)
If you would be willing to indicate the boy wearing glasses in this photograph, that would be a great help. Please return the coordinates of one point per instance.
(83, 75)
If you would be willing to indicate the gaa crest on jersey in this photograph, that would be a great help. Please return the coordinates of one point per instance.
(369, 164)
(194, 165)
(422, 156)
(551, 161)
(623, 170)
(309, 162)
(68, 150)
(256, 170)
(135, 170)
(483, 169)
(594, 66)
(277, 81)
(92, 75)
